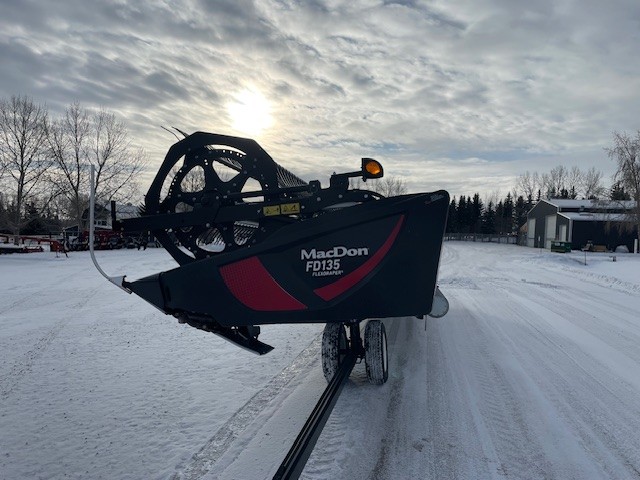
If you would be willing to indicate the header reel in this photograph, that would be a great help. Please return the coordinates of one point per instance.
(215, 194)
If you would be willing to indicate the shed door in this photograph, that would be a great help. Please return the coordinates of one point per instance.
(531, 233)
(563, 233)
(549, 230)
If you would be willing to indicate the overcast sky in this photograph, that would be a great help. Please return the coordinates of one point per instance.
(459, 94)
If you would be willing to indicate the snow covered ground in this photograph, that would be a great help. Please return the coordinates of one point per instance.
(534, 373)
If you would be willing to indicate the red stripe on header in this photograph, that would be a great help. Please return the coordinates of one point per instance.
(254, 287)
(331, 291)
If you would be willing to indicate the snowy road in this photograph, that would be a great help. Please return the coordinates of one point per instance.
(534, 373)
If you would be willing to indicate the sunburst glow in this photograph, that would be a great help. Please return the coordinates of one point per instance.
(250, 112)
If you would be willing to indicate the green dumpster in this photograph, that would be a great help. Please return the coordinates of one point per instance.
(560, 247)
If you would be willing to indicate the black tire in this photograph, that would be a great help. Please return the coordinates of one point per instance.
(334, 348)
(376, 357)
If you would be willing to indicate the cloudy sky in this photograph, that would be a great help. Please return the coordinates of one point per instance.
(458, 94)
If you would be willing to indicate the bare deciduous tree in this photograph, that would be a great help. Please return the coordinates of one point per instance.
(528, 184)
(80, 139)
(22, 149)
(626, 153)
(117, 161)
(574, 181)
(67, 138)
(554, 181)
(561, 180)
(387, 186)
(3, 166)
(592, 187)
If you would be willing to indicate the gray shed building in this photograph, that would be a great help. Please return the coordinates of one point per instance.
(579, 222)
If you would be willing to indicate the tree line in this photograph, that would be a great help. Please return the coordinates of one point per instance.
(470, 214)
(505, 216)
(45, 164)
(45, 169)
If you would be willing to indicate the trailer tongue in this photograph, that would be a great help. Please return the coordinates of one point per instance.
(256, 245)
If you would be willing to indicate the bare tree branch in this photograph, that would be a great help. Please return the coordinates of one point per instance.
(626, 153)
(528, 184)
(22, 148)
(387, 186)
(81, 139)
(592, 187)
(117, 162)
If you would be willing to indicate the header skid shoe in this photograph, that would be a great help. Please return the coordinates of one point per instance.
(258, 245)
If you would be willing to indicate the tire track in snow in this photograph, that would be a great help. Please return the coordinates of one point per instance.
(570, 369)
(505, 438)
(228, 434)
(379, 471)
(24, 365)
(589, 316)
(545, 408)
(599, 280)
(605, 435)
(567, 320)
(448, 255)
(343, 449)
(34, 300)
(37, 298)
(333, 437)
(509, 444)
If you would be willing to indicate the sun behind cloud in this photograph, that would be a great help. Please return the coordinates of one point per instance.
(250, 112)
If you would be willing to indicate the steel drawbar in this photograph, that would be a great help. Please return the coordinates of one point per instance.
(296, 459)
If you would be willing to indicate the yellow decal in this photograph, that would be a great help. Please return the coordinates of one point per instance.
(289, 208)
(271, 211)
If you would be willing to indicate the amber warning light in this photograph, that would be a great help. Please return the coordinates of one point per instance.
(371, 168)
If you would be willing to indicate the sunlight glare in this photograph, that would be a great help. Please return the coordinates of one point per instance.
(250, 112)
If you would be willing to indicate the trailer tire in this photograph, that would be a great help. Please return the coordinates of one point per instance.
(376, 357)
(334, 348)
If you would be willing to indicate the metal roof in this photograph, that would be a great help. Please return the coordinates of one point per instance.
(595, 217)
(590, 204)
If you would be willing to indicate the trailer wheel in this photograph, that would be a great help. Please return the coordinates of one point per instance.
(375, 352)
(334, 348)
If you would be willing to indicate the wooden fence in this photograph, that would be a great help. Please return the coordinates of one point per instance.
(481, 237)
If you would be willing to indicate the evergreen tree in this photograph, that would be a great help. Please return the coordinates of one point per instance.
(508, 214)
(452, 217)
(34, 223)
(618, 192)
(573, 194)
(462, 215)
(476, 213)
(521, 210)
(488, 219)
(499, 222)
